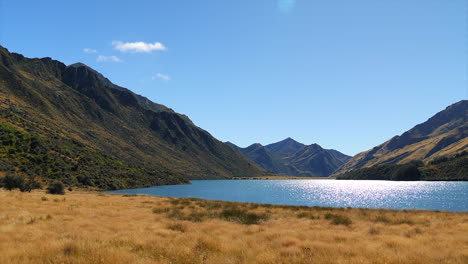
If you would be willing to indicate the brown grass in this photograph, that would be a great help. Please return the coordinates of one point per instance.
(89, 227)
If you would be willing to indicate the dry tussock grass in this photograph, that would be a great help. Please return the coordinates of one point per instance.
(89, 227)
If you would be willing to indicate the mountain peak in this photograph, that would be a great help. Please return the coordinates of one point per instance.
(254, 146)
(78, 64)
(78, 72)
(287, 145)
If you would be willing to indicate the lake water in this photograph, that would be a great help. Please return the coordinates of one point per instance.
(444, 196)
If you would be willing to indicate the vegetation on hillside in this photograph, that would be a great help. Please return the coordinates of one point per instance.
(449, 168)
(70, 162)
(84, 227)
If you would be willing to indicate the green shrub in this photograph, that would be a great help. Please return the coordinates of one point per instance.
(338, 219)
(11, 181)
(307, 215)
(243, 217)
(30, 185)
(56, 188)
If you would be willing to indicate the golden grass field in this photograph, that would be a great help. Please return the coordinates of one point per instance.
(90, 227)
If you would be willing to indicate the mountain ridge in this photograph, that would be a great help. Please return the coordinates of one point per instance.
(443, 134)
(287, 145)
(75, 103)
(289, 157)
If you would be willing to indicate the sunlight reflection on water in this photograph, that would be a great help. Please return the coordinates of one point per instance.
(450, 196)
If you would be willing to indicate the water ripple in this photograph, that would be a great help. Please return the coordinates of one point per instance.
(449, 196)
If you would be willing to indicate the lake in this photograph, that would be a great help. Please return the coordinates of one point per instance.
(444, 196)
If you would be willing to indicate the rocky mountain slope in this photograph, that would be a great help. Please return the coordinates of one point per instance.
(92, 132)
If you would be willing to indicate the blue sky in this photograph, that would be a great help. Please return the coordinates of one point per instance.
(344, 74)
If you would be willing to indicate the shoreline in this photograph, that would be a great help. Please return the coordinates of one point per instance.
(281, 205)
(312, 195)
(279, 177)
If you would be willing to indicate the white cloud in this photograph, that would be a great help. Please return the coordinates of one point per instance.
(86, 50)
(286, 6)
(164, 77)
(139, 46)
(102, 58)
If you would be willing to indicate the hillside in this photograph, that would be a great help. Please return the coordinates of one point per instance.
(447, 168)
(92, 132)
(289, 157)
(444, 134)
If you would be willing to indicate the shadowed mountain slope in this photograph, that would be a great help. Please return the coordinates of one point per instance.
(290, 157)
(78, 109)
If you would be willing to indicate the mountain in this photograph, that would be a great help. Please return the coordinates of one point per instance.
(288, 145)
(290, 157)
(73, 124)
(262, 157)
(444, 134)
(315, 161)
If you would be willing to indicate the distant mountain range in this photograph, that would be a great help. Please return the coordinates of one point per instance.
(437, 148)
(433, 150)
(70, 123)
(289, 157)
